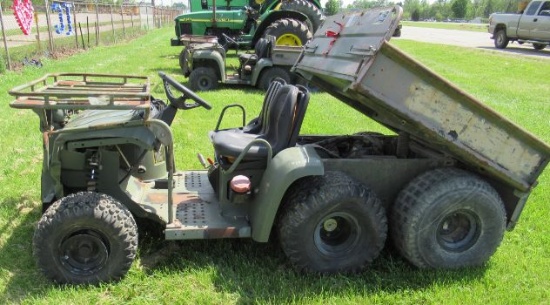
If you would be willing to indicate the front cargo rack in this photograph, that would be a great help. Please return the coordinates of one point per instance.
(83, 91)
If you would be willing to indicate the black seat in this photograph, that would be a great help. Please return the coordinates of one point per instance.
(255, 125)
(262, 49)
(280, 128)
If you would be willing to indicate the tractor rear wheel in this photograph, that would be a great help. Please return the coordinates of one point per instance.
(289, 32)
(314, 15)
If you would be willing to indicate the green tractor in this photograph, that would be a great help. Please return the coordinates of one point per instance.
(292, 22)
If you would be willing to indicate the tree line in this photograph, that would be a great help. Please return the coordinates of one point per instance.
(440, 10)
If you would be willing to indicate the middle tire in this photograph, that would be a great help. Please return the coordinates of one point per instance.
(331, 223)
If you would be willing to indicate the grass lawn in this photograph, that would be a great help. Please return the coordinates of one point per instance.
(241, 271)
(474, 27)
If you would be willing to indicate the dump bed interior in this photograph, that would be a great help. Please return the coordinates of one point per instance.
(350, 57)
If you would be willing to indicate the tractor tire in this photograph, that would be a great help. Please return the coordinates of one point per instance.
(315, 16)
(85, 238)
(290, 32)
(331, 224)
(203, 79)
(271, 73)
(539, 46)
(501, 40)
(447, 218)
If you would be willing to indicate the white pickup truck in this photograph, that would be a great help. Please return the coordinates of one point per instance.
(531, 25)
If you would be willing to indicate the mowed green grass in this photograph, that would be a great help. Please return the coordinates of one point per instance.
(244, 272)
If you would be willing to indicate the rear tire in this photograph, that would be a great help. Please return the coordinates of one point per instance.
(270, 74)
(501, 40)
(203, 79)
(447, 218)
(539, 46)
(289, 32)
(331, 224)
(85, 238)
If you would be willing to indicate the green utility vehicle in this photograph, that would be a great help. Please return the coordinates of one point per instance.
(292, 22)
(204, 62)
(445, 184)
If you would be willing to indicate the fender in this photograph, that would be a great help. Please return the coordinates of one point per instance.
(210, 58)
(284, 169)
(260, 66)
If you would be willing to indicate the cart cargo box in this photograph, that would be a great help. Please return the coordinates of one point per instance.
(363, 69)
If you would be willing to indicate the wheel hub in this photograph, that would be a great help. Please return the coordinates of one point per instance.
(330, 225)
(288, 40)
(84, 253)
(458, 231)
(337, 234)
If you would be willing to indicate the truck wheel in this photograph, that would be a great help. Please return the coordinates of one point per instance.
(539, 46)
(314, 15)
(447, 218)
(270, 74)
(203, 79)
(289, 32)
(331, 224)
(501, 40)
(85, 238)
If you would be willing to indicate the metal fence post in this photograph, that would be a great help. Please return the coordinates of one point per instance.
(112, 23)
(123, 27)
(4, 38)
(74, 25)
(49, 23)
(96, 23)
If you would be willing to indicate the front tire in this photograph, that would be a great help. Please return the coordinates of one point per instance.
(501, 40)
(447, 218)
(332, 224)
(203, 79)
(289, 32)
(85, 238)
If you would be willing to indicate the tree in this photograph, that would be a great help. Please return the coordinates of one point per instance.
(332, 7)
(488, 10)
(459, 8)
(415, 15)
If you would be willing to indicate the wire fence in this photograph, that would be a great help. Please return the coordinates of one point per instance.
(30, 32)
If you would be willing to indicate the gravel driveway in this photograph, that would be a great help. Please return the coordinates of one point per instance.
(468, 39)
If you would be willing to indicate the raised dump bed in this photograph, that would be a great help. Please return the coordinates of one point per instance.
(360, 67)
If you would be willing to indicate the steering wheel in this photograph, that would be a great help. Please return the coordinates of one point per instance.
(179, 102)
